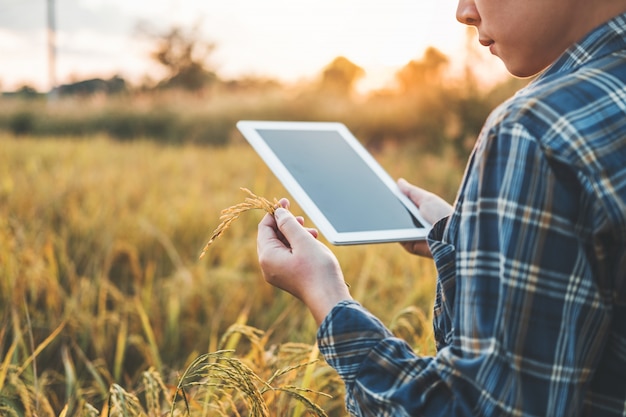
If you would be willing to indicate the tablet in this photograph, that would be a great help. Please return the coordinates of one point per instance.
(340, 186)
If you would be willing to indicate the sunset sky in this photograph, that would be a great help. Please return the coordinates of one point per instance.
(285, 39)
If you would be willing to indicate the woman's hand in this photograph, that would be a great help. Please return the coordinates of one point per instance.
(292, 259)
(432, 207)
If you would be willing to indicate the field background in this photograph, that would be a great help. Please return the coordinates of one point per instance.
(105, 205)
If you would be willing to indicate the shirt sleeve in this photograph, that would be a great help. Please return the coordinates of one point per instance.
(382, 374)
(522, 321)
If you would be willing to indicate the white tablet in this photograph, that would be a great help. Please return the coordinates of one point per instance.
(340, 186)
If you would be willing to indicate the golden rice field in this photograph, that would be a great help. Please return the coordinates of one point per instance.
(107, 310)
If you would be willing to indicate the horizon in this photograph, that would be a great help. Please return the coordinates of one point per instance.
(275, 40)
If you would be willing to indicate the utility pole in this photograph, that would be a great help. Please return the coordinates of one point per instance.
(52, 77)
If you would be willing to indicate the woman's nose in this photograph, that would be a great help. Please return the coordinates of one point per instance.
(467, 14)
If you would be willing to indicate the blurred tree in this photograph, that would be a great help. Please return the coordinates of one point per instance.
(424, 72)
(185, 56)
(340, 76)
(27, 91)
(114, 85)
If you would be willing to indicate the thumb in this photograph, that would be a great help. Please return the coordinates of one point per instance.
(289, 226)
(415, 194)
(430, 205)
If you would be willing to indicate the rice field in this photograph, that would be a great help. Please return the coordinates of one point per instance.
(106, 308)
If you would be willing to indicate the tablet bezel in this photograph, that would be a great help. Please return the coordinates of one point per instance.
(248, 129)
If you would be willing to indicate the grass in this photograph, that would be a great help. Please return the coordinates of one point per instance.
(436, 115)
(106, 309)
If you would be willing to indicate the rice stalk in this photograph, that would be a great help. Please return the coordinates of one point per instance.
(228, 344)
(99, 386)
(31, 341)
(90, 411)
(4, 366)
(42, 346)
(229, 376)
(154, 387)
(87, 410)
(230, 214)
(227, 386)
(120, 348)
(147, 328)
(230, 339)
(20, 397)
(412, 325)
(296, 393)
(306, 381)
(123, 404)
(71, 381)
(22, 393)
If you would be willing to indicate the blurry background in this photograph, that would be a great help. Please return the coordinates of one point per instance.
(118, 150)
(183, 71)
(288, 41)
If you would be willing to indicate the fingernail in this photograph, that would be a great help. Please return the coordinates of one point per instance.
(279, 212)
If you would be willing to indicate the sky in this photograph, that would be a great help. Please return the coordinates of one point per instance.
(289, 40)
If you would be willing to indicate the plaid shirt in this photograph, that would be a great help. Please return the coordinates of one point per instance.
(530, 310)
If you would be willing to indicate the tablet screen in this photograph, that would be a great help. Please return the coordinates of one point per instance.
(336, 181)
(343, 186)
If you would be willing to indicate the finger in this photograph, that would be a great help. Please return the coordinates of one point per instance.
(432, 207)
(313, 232)
(269, 236)
(284, 203)
(289, 226)
(300, 220)
(268, 221)
(415, 194)
(419, 248)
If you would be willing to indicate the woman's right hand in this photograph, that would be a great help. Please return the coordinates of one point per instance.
(292, 259)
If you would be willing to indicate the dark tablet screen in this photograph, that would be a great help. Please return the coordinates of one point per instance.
(345, 189)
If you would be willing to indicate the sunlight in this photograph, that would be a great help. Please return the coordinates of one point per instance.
(278, 39)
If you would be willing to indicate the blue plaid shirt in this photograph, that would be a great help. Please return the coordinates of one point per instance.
(530, 310)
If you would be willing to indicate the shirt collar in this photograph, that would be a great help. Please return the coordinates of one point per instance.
(606, 39)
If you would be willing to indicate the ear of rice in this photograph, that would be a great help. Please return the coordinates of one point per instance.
(230, 214)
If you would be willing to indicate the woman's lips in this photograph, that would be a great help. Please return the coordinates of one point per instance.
(488, 43)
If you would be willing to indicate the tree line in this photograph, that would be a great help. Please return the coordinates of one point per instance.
(192, 103)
